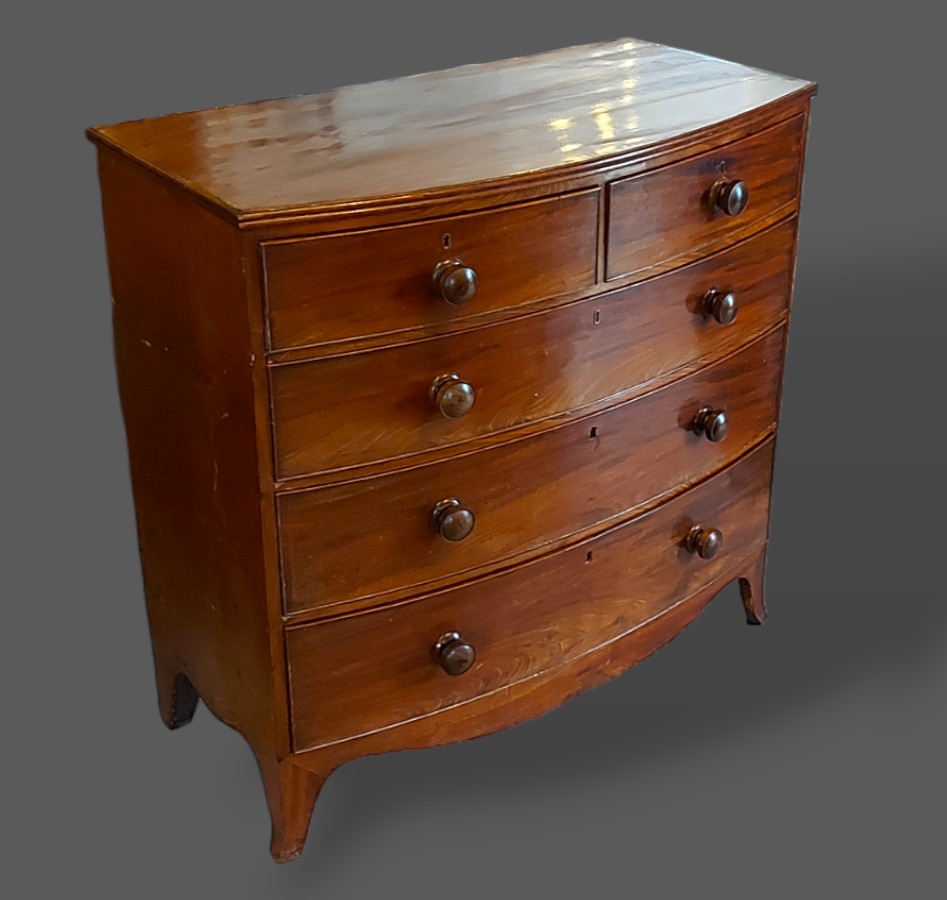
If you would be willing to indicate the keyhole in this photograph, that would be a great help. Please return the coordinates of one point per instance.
(447, 241)
(593, 434)
(597, 318)
(588, 556)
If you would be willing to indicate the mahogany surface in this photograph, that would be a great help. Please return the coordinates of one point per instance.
(593, 592)
(186, 370)
(325, 536)
(565, 110)
(565, 360)
(652, 217)
(380, 282)
(365, 537)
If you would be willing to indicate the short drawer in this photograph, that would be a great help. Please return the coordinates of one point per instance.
(335, 413)
(359, 539)
(674, 211)
(325, 289)
(356, 675)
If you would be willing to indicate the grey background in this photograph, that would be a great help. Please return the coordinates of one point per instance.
(800, 759)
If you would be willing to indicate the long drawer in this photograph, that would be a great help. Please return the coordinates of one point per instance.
(331, 288)
(362, 538)
(355, 675)
(344, 411)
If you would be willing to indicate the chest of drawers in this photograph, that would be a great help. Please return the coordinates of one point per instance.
(447, 397)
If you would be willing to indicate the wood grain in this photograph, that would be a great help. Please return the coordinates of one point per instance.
(363, 538)
(276, 335)
(534, 696)
(752, 585)
(335, 413)
(291, 792)
(185, 365)
(667, 213)
(379, 282)
(373, 670)
(574, 109)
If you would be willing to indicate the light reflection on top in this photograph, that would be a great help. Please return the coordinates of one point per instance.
(471, 124)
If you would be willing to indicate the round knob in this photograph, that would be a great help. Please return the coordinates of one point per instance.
(455, 282)
(712, 424)
(705, 542)
(452, 395)
(454, 655)
(730, 197)
(452, 520)
(721, 306)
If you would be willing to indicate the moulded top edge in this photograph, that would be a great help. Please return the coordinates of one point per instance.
(571, 109)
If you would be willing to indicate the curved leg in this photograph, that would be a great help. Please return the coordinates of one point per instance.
(291, 793)
(751, 587)
(177, 699)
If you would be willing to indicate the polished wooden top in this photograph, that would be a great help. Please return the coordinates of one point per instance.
(577, 108)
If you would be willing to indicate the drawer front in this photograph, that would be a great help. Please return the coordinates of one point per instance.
(349, 410)
(334, 288)
(363, 538)
(663, 215)
(356, 675)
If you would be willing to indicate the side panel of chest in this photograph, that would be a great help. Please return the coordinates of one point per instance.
(189, 372)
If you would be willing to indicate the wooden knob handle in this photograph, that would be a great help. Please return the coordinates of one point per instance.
(452, 395)
(712, 424)
(721, 306)
(705, 542)
(455, 282)
(730, 197)
(453, 654)
(452, 520)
